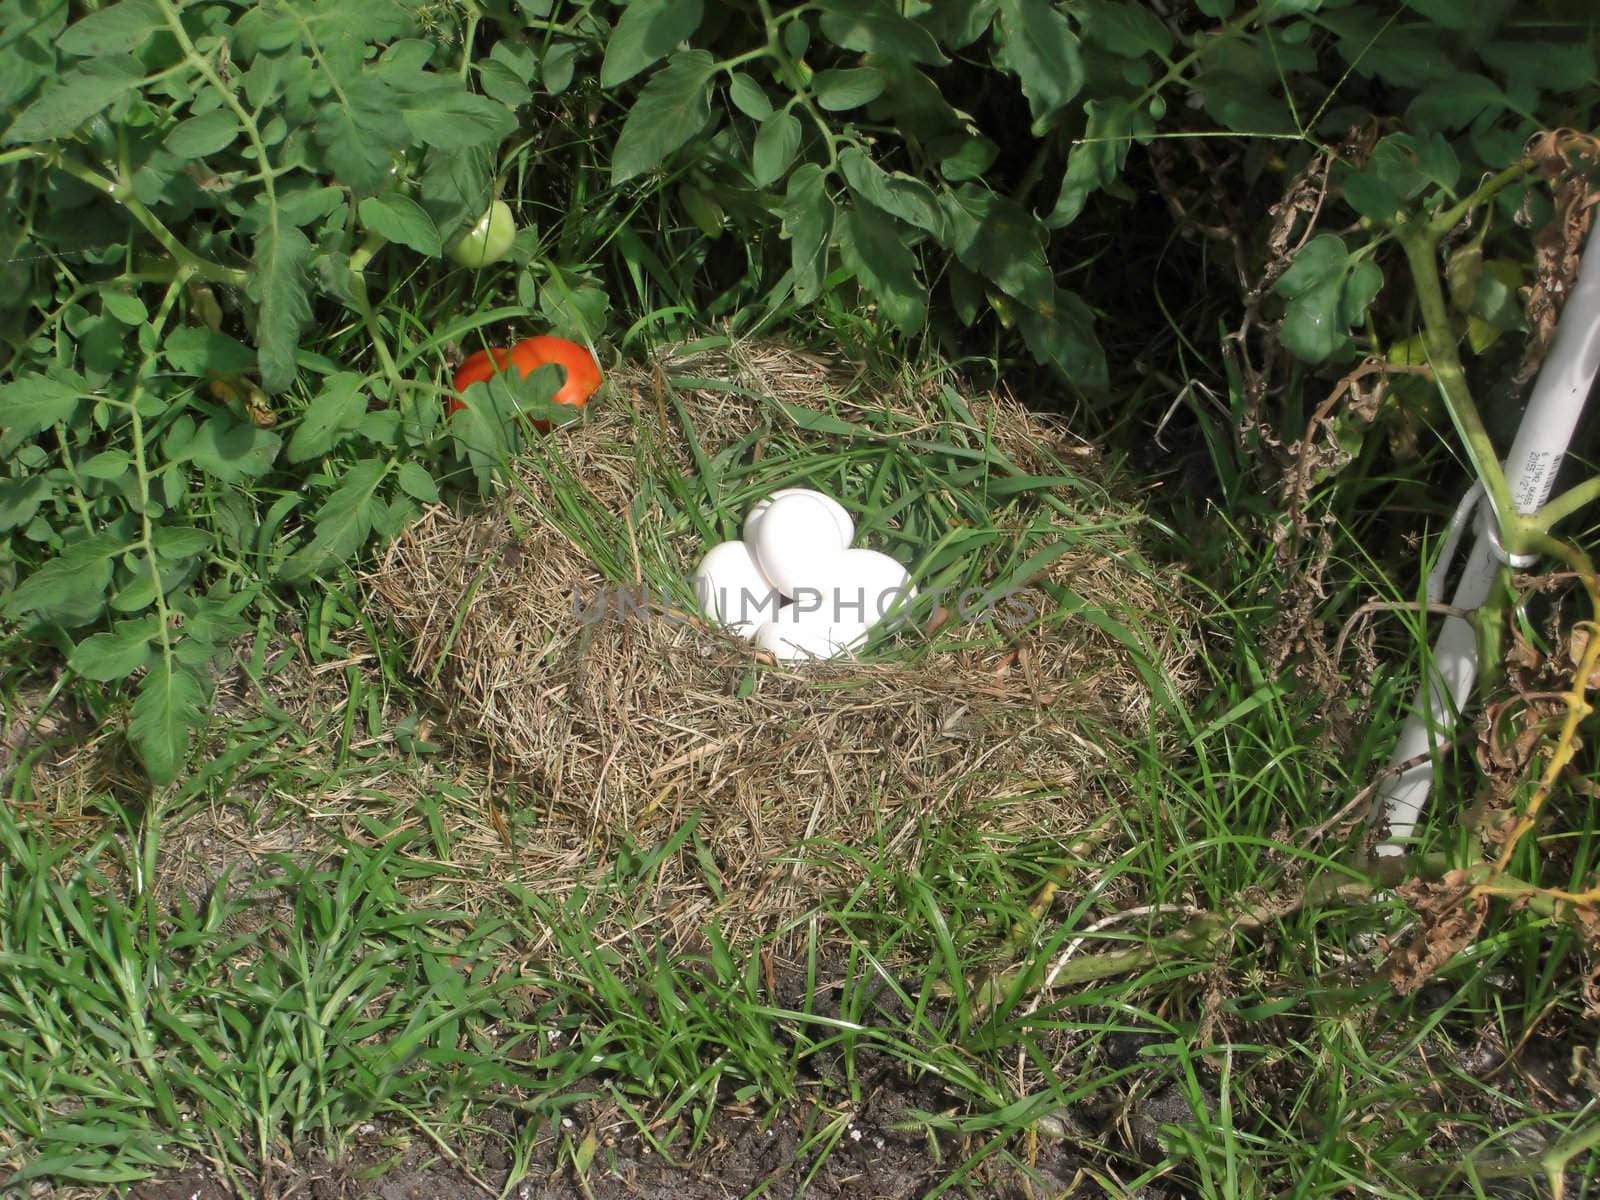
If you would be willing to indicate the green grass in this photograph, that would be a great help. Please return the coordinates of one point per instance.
(1185, 957)
(356, 982)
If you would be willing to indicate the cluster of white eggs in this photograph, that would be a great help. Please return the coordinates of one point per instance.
(793, 585)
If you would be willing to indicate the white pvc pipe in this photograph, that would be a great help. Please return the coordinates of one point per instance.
(1542, 439)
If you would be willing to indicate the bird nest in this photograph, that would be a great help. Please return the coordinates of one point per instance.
(628, 720)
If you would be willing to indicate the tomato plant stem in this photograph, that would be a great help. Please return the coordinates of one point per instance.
(791, 72)
(1447, 220)
(1421, 243)
(251, 130)
(359, 259)
(78, 500)
(1569, 502)
(122, 194)
(141, 467)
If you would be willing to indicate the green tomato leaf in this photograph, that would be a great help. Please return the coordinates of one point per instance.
(1448, 14)
(1454, 103)
(1129, 30)
(898, 194)
(233, 451)
(117, 28)
(1371, 196)
(69, 589)
(102, 345)
(336, 411)
(964, 156)
(1034, 41)
(556, 68)
(840, 89)
(703, 210)
(1408, 164)
(872, 246)
(777, 142)
(382, 427)
(796, 37)
(31, 56)
(401, 219)
(138, 592)
(1361, 288)
(573, 305)
(196, 350)
(1244, 100)
(671, 108)
(966, 292)
(808, 224)
(1311, 326)
(874, 27)
(1278, 10)
(214, 618)
(998, 238)
(958, 23)
(169, 708)
(277, 284)
(125, 308)
(301, 206)
(1061, 335)
(500, 82)
(175, 543)
(455, 187)
(1551, 67)
(35, 402)
(203, 135)
(448, 115)
(20, 499)
(1328, 291)
(648, 31)
(75, 97)
(342, 523)
(415, 482)
(1094, 161)
(1323, 258)
(116, 655)
(108, 464)
(361, 129)
(516, 397)
(481, 436)
(1406, 54)
(748, 97)
(518, 58)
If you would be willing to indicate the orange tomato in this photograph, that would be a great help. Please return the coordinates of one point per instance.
(581, 370)
(583, 373)
(476, 369)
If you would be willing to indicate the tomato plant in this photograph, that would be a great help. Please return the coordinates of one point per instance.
(269, 192)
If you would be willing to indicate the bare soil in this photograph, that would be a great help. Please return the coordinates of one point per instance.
(876, 1157)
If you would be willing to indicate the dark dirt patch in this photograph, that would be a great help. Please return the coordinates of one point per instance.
(742, 1157)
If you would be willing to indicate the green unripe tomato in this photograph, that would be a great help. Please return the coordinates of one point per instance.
(487, 241)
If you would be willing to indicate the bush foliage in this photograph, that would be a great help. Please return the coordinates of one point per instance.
(227, 314)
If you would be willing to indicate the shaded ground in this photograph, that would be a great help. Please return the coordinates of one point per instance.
(881, 1149)
(872, 1158)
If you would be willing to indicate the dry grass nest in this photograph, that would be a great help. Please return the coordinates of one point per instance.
(631, 727)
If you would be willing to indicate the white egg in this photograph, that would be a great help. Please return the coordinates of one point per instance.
(799, 635)
(795, 541)
(847, 527)
(858, 585)
(732, 590)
